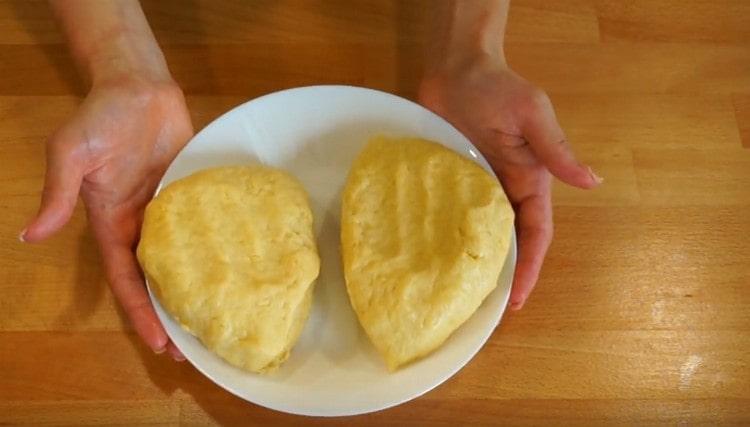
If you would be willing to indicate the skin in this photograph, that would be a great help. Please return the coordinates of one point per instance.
(512, 122)
(116, 147)
(134, 121)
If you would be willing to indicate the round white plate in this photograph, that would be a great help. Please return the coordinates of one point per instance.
(315, 133)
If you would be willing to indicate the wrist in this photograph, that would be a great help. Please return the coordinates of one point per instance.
(124, 56)
(110, 40)
(469, 31)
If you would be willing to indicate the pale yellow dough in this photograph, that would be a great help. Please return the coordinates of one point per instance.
(230, 254)
(424, 234)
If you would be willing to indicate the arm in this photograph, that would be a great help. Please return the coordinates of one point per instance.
(115, 149)
(466, 30)
(467, 81)
(110, 40)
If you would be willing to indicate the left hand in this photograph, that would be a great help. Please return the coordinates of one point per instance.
(513, 124)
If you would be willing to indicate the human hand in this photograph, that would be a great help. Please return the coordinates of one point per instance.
(113, 152)
(513, 124)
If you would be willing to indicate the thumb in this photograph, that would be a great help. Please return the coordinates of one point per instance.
(62, 181)
(547, 140)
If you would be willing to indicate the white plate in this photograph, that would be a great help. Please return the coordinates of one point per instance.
(314, 133)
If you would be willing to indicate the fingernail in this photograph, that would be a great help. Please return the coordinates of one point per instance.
(516, 305)
(175, 353)
(160, 350)
(22, 236)
(596, 177)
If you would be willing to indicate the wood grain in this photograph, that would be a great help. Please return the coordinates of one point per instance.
(742, 114)
(691, 21)
(642, 313)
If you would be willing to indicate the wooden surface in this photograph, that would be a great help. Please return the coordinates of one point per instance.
(642, 314)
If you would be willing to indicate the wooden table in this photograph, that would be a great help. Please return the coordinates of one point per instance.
(642, 314)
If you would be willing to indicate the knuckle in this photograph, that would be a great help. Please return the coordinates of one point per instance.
(134, 308)
(62, 146)
(537, 101)
(545, 231)
(168, 94)
(185, 129)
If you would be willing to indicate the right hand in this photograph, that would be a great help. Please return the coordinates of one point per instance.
(113, 152)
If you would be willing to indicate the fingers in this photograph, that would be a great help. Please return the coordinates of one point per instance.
(534, 220)
(130, 290)
(175, 352)
(547, 140)
(123, 274)
(62, 182)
